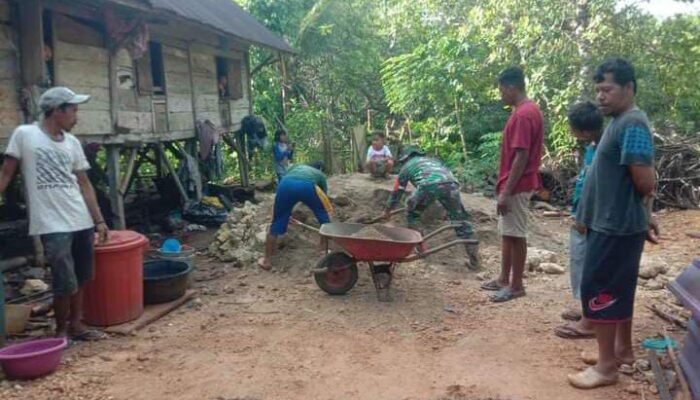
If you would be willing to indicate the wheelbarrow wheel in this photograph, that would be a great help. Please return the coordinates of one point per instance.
(340, 275)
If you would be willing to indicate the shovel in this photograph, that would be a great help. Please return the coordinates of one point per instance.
(369, 220)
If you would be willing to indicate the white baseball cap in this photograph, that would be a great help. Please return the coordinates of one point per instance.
(57, 96)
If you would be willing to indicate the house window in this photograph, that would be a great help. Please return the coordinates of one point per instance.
(235, 78)
(157, 67)
(222, 78)
(47, 49)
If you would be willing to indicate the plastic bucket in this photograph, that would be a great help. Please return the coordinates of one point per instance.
(115, 295)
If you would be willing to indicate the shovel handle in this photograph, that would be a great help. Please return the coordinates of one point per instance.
(294, 221)
(394, 212)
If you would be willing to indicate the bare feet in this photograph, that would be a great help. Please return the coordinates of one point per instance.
(264, 263)
(592, 359)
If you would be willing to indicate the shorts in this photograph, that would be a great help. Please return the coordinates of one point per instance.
(72, 259)
(609, 278)
(514, 223)
(290, 192)
(577, 258)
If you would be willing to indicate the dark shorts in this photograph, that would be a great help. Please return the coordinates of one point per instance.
(72, 259)
(609, 278)
(290, 192)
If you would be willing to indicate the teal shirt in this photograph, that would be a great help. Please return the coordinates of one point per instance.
(581, 178)
(309, 174)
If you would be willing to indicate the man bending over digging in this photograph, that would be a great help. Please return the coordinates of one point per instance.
(433, 181)
(301, 183)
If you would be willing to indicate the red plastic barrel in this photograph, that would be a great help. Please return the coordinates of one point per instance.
(115, 295)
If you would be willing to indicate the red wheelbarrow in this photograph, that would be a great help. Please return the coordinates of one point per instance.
(336, 273)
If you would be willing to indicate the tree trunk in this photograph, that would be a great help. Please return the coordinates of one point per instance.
(462, 133)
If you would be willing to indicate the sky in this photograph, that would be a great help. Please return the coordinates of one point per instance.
(666, 8)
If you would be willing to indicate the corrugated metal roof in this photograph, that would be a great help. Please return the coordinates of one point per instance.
(226, 16)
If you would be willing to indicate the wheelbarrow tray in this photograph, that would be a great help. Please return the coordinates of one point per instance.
(398, 245)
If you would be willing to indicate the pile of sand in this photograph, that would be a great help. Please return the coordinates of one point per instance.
(370, 232)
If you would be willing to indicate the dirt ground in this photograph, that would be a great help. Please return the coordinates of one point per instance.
(258, 335)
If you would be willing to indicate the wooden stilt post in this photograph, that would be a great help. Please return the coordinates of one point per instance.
(173, 172)
(115, 198)
(124, 185)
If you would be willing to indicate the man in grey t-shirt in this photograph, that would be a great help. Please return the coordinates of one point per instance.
(615, 208)
(62, 203)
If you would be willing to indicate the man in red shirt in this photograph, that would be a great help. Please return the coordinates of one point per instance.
(518, 178)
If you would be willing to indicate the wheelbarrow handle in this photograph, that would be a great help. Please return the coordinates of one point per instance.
(418, 256)
(440, 230)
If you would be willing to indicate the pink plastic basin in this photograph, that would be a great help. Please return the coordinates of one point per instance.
(33, 359)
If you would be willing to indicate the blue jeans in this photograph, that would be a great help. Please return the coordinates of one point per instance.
(290, 192)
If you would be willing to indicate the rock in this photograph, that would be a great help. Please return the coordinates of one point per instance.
(642, 365)
(261, 236)
(552, 268)
(482, 276)
(536, 256)
(32, 286)
(106, 358)
(632, 389)
(626, 369)
(654, 284)
(341, 201)
(653, 389)
(229, 289)
(142, 358)
(650, 268)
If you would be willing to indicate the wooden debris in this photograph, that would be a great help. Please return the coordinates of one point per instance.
(668, 317)
(678, 166)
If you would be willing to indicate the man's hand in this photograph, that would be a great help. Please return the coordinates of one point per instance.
(502, 205)
(653, 232)
(102, 232)
(387, 215)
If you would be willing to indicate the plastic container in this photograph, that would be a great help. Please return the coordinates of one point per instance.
(690, 358)
(115, 295)
(165, 280)
(33, 359)
(186, 254)
(687, 288)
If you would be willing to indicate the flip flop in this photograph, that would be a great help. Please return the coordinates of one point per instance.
(569, 331)
(571, 315)
(89, 335)
(493, 285)
(591, 379)
(507, 294)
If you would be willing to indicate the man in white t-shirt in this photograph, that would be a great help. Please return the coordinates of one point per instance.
(63, 209)
(380, 162)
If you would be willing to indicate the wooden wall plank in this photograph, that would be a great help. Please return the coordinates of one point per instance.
(92, 122)
(70, 51)
(135, 122)
(180, 121)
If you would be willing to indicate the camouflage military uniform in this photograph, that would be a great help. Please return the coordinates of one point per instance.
(433, 181)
